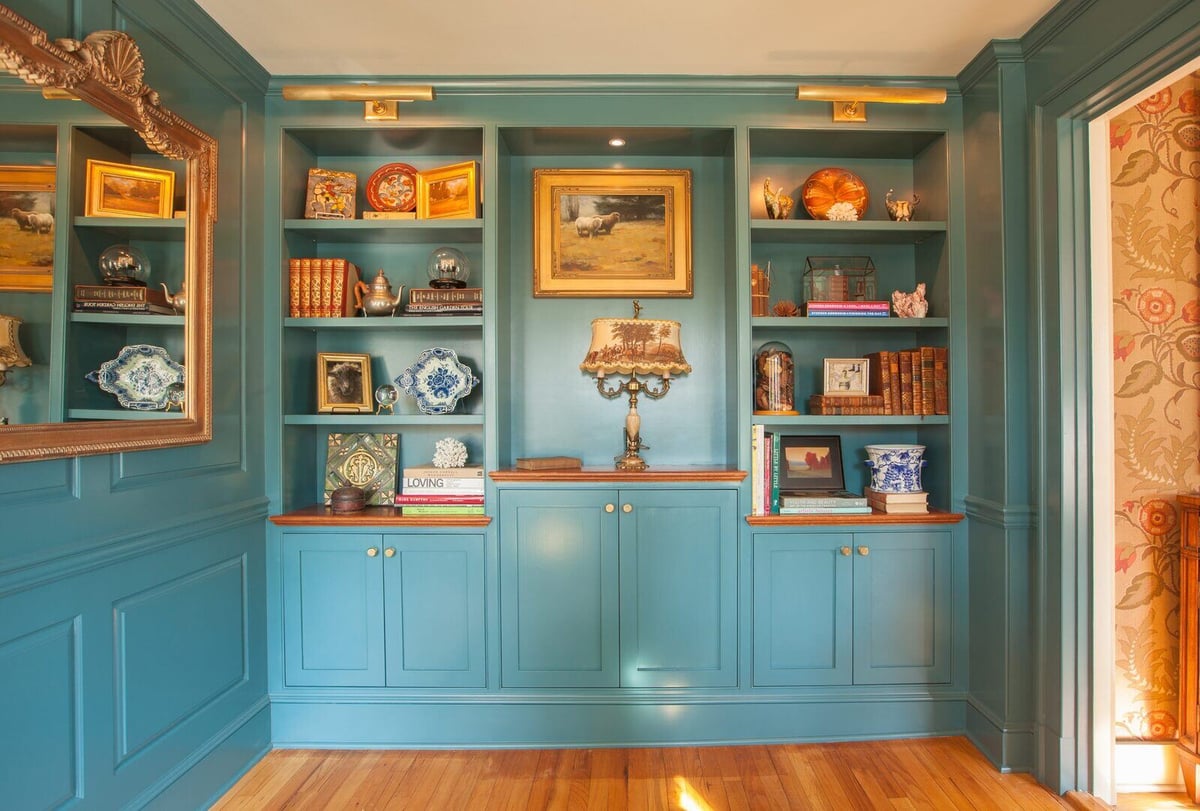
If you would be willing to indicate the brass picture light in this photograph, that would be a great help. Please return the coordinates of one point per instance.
(849, 101)
(381, 100)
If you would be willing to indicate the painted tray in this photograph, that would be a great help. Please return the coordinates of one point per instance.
(393, 187)
(142, 376)
(825, 187)
(438, 380)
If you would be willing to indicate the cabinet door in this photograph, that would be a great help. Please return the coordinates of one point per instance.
(902, 608)
(332, 610)
(678, 552)
(558, 589)
(803, 609)
(434, 616)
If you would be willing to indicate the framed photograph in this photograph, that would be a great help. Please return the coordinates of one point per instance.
(330, 195)
(612, 232)
(845, 376)
(124, 190)
(809, 463)
(27, 228)
(344, 384)
(448, 192)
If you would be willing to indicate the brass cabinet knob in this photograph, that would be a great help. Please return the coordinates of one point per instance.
(626, 508)
(609, 507)
(864, 550)
(372, 552)
(390, 552)
(845, 551)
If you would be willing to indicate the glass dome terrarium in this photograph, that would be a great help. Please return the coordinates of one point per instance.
(124, 264)
(448, 268)
(774, 380)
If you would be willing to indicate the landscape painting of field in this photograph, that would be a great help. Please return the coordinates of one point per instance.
(612, 232)
(26, 228)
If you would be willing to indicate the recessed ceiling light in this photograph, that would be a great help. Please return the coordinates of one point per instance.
(616, 142)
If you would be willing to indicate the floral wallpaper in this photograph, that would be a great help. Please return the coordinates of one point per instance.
(1154, 149)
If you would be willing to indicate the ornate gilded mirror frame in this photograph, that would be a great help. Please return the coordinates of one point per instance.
(106, 70)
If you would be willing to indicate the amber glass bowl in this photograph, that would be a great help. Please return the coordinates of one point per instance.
(825, 187)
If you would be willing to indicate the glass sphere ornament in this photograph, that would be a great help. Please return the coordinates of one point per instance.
(124, 264)
(448, 268)
(386, 396)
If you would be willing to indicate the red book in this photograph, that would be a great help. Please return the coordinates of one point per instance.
(403, 499)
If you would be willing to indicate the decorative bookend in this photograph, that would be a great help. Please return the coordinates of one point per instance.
(369, 461)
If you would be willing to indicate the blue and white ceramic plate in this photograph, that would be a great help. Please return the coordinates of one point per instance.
(438, 380)
(142, 376)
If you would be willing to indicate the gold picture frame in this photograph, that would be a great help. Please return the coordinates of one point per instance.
(612, 232)
(125, 190)
(27, 209)
(344, 383)
(449, 192)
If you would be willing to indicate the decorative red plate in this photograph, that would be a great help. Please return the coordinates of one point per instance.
(393, 187)
(825, 187)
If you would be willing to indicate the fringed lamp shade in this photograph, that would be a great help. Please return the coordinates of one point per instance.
(11, 354)
(644, 346)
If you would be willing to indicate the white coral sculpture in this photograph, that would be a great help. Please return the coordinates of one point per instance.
(449, 452)
(842, 211)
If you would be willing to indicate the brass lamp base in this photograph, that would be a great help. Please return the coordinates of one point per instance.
(631, 459)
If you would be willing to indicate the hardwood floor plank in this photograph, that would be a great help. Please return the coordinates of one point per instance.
(934, 774)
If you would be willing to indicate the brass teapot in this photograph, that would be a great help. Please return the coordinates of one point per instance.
(179, 300)
(378, 298)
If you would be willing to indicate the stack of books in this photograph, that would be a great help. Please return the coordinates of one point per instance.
(445, 301)
(321, 288)
(120, 298)
(764, 470)
(842, 309)
(823, 502)
(846, 404)
(441, 491)
(898, 502)
(911, 381)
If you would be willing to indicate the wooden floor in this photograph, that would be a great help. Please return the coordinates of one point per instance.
(933, 773)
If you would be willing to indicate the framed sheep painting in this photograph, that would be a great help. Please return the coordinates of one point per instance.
(27, 228)
(612, 232)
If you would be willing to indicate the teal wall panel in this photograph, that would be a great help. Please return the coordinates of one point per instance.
(39, 695)
(178, 647)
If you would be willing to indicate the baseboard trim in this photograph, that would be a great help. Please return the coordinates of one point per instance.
(1010, 747)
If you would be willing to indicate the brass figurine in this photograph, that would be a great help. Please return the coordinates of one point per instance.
(901, 210)
(779, 205)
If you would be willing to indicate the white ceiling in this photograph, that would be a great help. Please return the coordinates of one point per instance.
(403, 38)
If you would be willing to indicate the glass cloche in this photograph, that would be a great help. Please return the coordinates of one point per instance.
(774, 379)
(124, 264)
(448, 268)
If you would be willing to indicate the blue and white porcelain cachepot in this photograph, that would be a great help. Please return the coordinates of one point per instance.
(895, 468)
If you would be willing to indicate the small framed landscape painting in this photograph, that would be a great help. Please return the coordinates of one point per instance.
(448, 192)
(124, 190)
(808, 463)
(612, 232)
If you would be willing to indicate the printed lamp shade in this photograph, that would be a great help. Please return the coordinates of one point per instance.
(644, 346)
(11, 354)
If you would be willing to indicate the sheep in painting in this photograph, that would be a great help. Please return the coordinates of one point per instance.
(587, 226)
(41, 223)
(23, 219)
(607, 222)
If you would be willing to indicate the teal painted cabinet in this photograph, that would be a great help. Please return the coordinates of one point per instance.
(369, 610)
(618, 588)
(852, 608)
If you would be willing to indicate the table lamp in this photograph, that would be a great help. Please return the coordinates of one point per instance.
(630, 347)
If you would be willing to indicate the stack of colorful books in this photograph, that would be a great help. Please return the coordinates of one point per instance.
(898, 502)
(823, 502)
(441, 491)
(842, 309)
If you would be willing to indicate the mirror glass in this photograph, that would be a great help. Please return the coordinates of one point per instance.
(106, 221)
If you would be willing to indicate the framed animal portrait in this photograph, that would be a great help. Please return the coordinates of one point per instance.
(344, 383)
(27, 228)
(612, 232)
